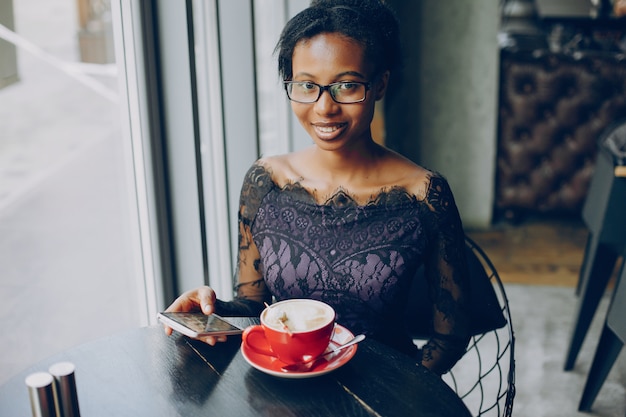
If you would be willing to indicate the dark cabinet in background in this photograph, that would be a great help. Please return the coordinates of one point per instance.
(553, 108)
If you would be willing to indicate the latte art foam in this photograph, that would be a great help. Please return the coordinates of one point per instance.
(297, 316)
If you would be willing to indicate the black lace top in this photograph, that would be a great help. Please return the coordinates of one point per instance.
(358, 258)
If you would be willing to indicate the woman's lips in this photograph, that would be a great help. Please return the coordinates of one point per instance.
(328, 131)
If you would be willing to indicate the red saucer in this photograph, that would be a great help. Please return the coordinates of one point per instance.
(272, 366)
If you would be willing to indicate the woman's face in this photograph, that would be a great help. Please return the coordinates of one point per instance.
(328, 58)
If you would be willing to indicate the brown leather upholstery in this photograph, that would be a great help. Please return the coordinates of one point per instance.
(553, 108)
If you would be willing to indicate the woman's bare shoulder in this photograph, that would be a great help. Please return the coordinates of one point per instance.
(282, 168)
(406, 174)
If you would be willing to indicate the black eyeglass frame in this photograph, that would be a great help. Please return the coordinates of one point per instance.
(327, 87)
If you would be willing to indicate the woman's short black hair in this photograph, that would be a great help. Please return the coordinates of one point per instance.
(370, 23)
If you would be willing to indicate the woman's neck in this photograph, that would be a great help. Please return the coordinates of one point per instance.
(347, 163)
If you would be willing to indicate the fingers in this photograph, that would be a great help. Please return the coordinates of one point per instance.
(209, 340)
(202, 298)
(213, 340)
(206, 299)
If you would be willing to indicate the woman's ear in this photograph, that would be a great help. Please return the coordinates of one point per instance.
(381, 85)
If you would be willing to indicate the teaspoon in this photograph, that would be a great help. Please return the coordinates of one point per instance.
(309, 364)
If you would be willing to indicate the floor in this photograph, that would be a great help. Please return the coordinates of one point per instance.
(542, 319)
(539, 261)
(544, 250)
(541, 251)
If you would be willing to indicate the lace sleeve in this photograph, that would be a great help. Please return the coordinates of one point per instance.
(250, 289)
(447, 274)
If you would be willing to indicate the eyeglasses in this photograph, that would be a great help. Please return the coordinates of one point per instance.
(343, 92)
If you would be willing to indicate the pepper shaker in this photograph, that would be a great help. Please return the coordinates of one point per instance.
(65, 381)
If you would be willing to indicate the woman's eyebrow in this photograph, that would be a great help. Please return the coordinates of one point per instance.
(353, 73)
(341, 74)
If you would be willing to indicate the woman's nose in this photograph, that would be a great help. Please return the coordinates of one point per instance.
(326, 105)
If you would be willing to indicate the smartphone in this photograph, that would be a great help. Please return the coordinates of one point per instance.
(198, 325)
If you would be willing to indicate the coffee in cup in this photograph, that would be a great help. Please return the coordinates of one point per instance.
(292, 330)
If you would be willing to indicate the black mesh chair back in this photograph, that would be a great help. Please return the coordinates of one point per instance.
(484, 377)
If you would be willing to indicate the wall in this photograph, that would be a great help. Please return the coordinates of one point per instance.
(445, 115)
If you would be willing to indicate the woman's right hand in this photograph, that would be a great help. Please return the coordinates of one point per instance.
(199, 299)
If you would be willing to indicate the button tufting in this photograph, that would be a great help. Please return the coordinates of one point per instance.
(553, 108)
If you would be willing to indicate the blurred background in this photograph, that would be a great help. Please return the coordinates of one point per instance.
(68, 259)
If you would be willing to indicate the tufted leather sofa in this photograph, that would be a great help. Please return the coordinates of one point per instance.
(552, 110)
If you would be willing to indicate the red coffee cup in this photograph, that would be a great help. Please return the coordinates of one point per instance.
(292, 330)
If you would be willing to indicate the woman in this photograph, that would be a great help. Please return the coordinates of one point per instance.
(346, 220)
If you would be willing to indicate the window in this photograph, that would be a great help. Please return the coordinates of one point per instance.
(71, 266)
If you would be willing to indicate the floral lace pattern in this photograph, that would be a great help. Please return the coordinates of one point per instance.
(361, 258)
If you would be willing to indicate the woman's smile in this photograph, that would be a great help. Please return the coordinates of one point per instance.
(332, 58)
(329, 131)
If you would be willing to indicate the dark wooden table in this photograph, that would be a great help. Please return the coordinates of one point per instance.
(145, 373)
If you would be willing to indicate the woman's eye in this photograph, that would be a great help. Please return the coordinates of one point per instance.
(348, 86)
(307, 86)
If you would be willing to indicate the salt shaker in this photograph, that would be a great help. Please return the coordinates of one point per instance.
(41, 392)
